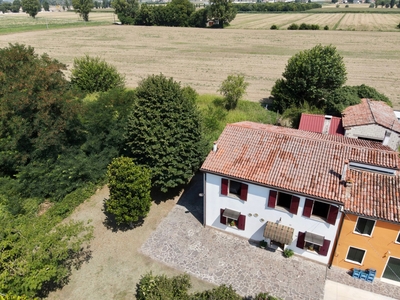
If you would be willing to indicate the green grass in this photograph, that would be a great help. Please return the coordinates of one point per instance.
(215, 116)
(23, 23)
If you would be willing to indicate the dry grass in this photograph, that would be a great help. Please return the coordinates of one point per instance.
(203, 58)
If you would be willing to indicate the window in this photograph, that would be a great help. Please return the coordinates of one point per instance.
(313, 242)
(320, 210)
(392, 270)
(232, 218)
(364, 226)
(234, 189)
(286, 201)
(398, 238)
(355, 255)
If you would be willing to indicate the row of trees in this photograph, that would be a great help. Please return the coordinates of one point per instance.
(179, 13)
(278, 6)
(29, 6)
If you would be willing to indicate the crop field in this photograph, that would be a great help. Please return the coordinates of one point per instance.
(335, 21)
(203, 58)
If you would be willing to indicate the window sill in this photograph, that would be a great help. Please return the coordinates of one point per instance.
(362, 234)
(353, 262)
(282, 209)
(320, 219)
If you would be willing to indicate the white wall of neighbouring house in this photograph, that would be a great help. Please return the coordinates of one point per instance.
(257, 204)
(374, 131)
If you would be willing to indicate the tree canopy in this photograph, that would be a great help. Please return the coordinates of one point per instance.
(127, 10)
(164, 132)
(233, 88)
(310, 76)
(130, 187)
(93, 74)
(83, 8)
(222, 10)
(31, 7)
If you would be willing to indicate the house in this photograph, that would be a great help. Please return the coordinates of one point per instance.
(284, 185)
(321, 123)
(374, 121)
(370, 233)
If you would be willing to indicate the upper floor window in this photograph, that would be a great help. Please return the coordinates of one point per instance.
(234, 189)
(283, 200)
(364, 226)
(321, 210)
(232, 218)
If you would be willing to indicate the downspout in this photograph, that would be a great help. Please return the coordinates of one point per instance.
(336, 240)
(204, 198)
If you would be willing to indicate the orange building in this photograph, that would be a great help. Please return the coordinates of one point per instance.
(370, 234)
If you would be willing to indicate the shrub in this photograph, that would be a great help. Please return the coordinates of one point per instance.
(304, 26)
(93, 74)
(314, 27)
(346, 6)
(293, 26)
(233, 88)
(274, 27)
(326, 27)
(337, 5)
(398, 26)
(288, 253)
(372, 5)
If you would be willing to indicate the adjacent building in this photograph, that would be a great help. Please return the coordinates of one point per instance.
(374, 121)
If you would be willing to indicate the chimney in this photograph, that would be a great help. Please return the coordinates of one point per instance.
(386, 138)
(215, 147)
(344, 171)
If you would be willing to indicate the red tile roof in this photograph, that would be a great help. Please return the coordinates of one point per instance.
(315, 123)
(370, 112)
(374, 195)
(299, 161)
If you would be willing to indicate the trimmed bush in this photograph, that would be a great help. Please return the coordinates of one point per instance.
(273, 27)
(293, 26)
(326, 27)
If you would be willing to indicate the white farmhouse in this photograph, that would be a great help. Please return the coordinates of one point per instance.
(283, 185)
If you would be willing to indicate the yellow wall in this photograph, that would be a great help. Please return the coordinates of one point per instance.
(377, 246)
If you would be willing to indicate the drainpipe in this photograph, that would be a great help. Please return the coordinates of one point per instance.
(204, 198)
(336, 238)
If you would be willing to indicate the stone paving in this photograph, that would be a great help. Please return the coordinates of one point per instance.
(181, 242)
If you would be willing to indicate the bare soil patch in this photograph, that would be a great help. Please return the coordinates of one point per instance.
(116, 264)
(203, 58)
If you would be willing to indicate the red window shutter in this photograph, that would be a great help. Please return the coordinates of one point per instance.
(308, 208)
(224, 186)
(294, 205)
(300, 240)
(324, 248)
(241, 222)
(243, 191)
(222, 219)
(333, 212)
(272, 198)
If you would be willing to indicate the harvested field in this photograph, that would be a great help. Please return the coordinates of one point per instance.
(203, 58)
(337, 21)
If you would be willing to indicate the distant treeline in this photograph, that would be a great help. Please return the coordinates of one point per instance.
(278, 6)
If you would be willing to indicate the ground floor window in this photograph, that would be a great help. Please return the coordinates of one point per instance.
(392, 270)
(232, 218)
(398, 238)
(355, 255)
(313, 242)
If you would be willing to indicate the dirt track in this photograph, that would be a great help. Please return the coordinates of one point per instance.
(203, 58)
(116, 264)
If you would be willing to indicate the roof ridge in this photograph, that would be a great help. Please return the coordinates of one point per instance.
(371, 110)
(311, 134)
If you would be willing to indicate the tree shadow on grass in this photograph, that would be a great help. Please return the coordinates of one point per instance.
(74, 260)
(111, 224)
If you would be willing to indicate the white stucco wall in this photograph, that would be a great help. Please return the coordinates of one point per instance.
(374, 131)
(257, 203)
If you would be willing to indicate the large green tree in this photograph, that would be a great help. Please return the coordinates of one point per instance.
(83, 8)
(130, 187)
(31, 7)
(39, 113)
(127, 10)
(222, 10)
(93, 74)
(310, 76)
(16, 5)
(164, 131)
